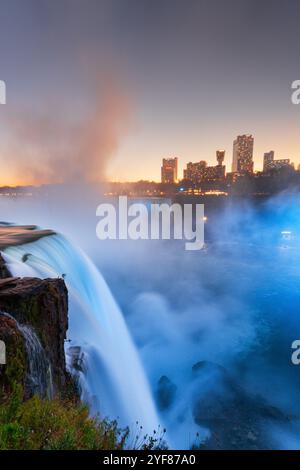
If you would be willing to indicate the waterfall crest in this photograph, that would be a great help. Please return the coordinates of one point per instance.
(113, 381)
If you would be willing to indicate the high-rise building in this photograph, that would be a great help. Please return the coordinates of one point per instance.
(271, 164)
(268, 158)
(242, 161)
(220, 156)
(198, 172)
(169, 170)
(195, 171)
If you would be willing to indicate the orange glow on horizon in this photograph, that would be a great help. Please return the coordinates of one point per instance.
(120, 172)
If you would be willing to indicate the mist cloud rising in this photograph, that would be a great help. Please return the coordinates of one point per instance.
(52, 148)
(234, 304)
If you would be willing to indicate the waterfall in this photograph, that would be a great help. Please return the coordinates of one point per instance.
(113, 381)
(39, 379)
(39, 376)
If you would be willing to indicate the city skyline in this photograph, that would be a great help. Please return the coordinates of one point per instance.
(228, 158)
(121, 84)
(267, 159)
(242, 160)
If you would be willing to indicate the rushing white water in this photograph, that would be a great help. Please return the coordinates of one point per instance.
(114, 382)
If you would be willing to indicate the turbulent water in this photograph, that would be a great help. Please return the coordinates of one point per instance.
(234, 304)
(113, 380)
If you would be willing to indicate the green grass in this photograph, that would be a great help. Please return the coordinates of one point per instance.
(39, 424)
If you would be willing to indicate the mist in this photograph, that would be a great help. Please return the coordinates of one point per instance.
(218, 324)
(63, 145)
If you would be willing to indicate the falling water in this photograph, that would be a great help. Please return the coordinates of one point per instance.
(39, 379)
(39, 376)
(113, 380)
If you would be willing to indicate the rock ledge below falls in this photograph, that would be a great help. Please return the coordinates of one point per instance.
(41, 304)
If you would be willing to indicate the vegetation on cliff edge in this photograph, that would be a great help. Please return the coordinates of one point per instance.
(39, 424)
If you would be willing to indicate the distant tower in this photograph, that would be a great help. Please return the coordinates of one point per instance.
(169, 170)
(242, 161)
(268, 158)
(220, 156)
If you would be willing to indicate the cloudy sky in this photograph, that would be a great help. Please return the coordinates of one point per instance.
(106, 88)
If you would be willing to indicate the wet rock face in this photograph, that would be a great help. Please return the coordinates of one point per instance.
(77, 359)
(15, 369)
(4, 273)
(43, 305)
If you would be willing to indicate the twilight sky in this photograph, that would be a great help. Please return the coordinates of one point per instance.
(108, 87)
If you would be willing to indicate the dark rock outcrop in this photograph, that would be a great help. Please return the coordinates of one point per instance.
(4, 273)
(77, 359)
(43, 305)
(165, 392)
(235, 418)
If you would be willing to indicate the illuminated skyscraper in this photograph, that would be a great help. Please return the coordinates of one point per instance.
(242, 161)
(198, 172)
(195, 171)
(169, 170)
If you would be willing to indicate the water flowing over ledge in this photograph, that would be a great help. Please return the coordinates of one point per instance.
(15, 235)
(113, 381)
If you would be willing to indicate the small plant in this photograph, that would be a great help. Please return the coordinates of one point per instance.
(38, 424)
(141, 441)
